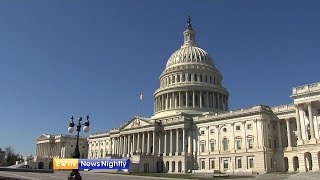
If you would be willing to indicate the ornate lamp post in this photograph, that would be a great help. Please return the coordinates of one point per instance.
(75, 175)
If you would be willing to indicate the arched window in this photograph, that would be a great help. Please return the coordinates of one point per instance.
(225, 144)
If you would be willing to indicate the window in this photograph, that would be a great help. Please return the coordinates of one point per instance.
(249, 126)
(238, 142)
(189, 77)
(202, 148)
(200, 78)
(195, 77)
(206, 78)
(251, 163)
(225, 164)
(238, 128)
(183, 77)
(203, 164)
(173, 79)
(212, 164)
(202, 132)
(212, 147)
(178, 78)
(212, 131)
(225, 144)
(210, 79)
(250, 143)
(239, 164)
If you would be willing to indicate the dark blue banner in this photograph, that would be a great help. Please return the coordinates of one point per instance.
(103, 164)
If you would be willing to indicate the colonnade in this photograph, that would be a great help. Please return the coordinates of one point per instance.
(302, 133)
(186, 99)
(187, 77)
(167, 142)
(47, 150)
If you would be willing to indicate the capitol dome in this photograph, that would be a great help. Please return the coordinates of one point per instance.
(190, 82)
(189, 54)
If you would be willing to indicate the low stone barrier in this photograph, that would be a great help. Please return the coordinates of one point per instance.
(27, 170)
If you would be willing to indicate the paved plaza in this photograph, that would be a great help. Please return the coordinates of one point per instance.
(98, 176)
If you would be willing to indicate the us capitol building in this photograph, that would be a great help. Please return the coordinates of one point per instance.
(193, 130)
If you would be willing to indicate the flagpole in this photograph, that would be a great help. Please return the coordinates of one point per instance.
(140, 104)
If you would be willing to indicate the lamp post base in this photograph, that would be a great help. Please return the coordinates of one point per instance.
(75, 175)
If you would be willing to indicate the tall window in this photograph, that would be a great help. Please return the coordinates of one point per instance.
(178, 78)
(251, 163)
(202, 147)
(195, 77)
(238, 142)
(203, 164)
(225, 144)
(200, 78)
(189, 77)
(250, 143)
(239, 163)
(225, 164)
(212, 164)
(212, 146)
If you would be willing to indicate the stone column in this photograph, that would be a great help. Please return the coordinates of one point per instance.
(279, 135)
(298, 124)
(214, 100)
(189, 141)
(133, 143)
(143, 145)
(218, 100)
(187, 99)
(148, 143)
(289, 133)
(217, 133)
(165, 143)
(183, 141)
(159, 152)
(180, 105)
(163, 103)
(207, 100)
(168, 102)
(255, 140)
(138, 148)
(233, 138)
(173, 101)
(154, 143)
(129, 143)
(194, 140)
(193, 99)
(311, 121)
(200, 105)
(244, 144)
(171, 142)
(177, 141)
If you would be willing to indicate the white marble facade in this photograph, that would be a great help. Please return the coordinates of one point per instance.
(193, 130)
(49, 147)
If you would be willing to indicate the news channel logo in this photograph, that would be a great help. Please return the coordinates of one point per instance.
(82, 164)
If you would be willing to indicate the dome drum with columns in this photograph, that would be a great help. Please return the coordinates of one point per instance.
(190, 82)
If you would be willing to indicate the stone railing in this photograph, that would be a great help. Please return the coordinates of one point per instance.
(235, 112)
(306, 88)
(283, 108)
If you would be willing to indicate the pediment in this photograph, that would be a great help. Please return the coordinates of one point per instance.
(43, 137)
(135, 122)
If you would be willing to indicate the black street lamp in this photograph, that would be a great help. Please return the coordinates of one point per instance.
(75, 175)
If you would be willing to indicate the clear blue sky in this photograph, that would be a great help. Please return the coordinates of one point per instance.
(63, 58)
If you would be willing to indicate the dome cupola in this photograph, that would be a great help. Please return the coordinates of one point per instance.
(190, 82)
